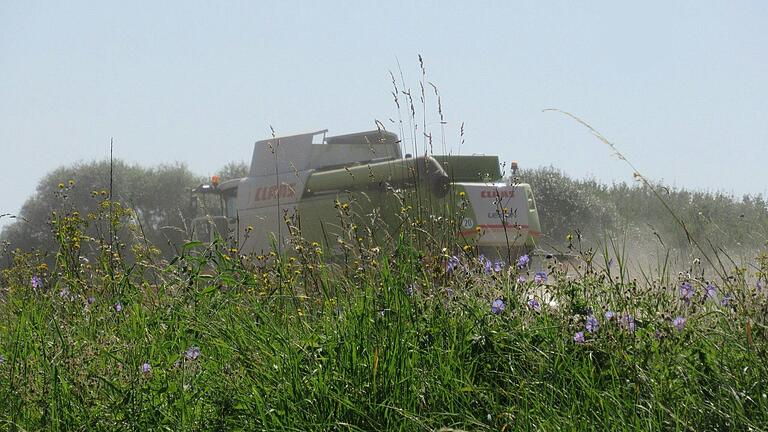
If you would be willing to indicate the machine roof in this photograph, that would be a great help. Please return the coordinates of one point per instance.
(299, 153)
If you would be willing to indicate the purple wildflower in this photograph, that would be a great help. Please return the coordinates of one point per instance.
(146, 368)
(523, 261)
(192, 353)
(711, 291)
(497, 266)
(679, 323)
(592, 324)
(758, 285)
(686, 291)
(36, 281)
(91, 300)
(726, 300)
(609, 315)
(498, 306)
(410, 290)
(64, 293)
(521, 279)
(579, 337)
(487, 264)
(534, 304)
(118, 307)
(629, 322)
(453, 262)
(540, 277)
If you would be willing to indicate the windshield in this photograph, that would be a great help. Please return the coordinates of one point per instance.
(208, 204)
(230, 203)
(211, 201)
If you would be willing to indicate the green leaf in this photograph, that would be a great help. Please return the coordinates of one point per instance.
(193, 244)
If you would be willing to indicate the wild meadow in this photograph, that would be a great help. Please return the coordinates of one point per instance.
(642, 308)
(103, 332)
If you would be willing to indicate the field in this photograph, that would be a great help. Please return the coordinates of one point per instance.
(103, 333)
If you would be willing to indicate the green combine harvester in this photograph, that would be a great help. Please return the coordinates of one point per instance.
(307, 181)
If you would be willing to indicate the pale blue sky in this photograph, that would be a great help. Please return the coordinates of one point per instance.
(679, 86)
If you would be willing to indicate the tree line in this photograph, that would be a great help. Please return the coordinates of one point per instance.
(638, 214)
(160, 197)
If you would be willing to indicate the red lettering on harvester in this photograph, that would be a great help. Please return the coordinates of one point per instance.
(497, 193)
(267, 193)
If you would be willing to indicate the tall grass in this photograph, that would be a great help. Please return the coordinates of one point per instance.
(388, 338)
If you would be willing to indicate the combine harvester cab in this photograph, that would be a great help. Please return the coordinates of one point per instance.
(311, 175)
(502, 219)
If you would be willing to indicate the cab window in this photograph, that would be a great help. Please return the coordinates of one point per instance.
(230, 204)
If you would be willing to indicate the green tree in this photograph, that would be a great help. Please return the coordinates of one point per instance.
(635, 213)
(233, 170)
(158, 195)
(566, 205)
